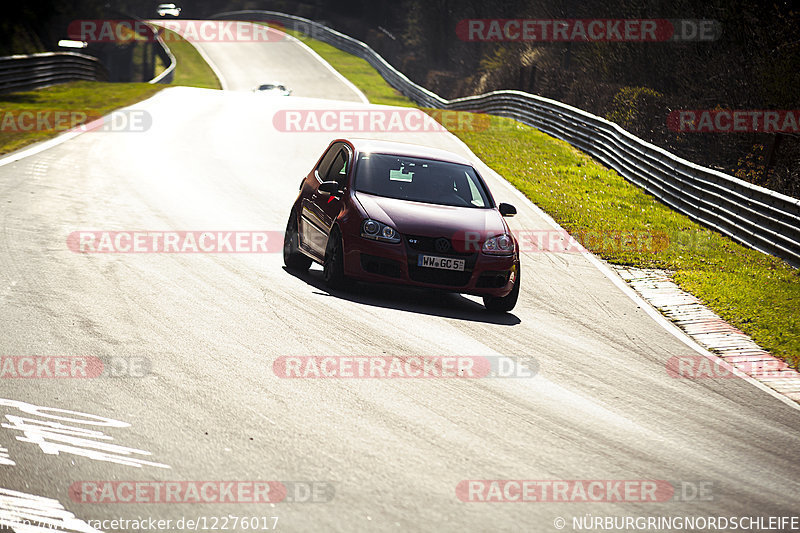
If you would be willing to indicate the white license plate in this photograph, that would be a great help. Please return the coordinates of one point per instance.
(445, 263)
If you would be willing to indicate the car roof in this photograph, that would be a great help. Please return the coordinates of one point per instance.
(407, 149)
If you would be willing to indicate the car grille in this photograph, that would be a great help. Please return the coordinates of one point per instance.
(434, 245)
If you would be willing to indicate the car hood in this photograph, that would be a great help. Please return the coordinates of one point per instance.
(432, 220)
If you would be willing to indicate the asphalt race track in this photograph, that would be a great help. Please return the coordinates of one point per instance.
(388, 454)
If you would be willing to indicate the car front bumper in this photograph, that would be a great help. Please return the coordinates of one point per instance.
(375, 261)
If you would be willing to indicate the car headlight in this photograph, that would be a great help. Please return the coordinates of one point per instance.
(372, 229)
(499, 245)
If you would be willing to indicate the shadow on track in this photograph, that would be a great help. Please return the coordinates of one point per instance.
(414, 300)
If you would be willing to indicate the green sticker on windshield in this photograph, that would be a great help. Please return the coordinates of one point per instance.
(397, 175)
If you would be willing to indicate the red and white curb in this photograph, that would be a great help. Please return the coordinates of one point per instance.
(711, 331)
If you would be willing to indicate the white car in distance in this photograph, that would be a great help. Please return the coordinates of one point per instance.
(273, 88)
(168, 10)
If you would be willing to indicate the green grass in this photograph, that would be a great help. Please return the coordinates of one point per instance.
(757, 293)
(192, 70)
(90, 97)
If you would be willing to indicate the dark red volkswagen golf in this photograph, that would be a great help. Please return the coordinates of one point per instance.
(399, 213)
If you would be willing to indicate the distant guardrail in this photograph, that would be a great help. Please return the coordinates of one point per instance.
(25, 72)
(168, 58)
(763, 219)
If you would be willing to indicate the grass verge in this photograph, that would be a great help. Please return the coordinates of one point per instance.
(90, 97)
(192, 70)
(757, 293)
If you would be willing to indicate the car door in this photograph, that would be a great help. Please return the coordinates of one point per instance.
(320, 209)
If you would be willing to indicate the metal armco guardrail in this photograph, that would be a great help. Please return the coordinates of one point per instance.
(165, 54)
(757, 217)
(24, 72)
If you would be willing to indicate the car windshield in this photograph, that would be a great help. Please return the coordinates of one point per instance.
(420, 180)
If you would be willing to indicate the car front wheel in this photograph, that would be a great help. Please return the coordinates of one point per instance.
(333, 267)
(505, 303)
(293, 258)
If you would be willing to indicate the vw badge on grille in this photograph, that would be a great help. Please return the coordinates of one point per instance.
(442, 244)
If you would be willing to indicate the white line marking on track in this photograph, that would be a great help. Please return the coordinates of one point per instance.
(5, 458)
(27, 513)
(41, 146)
(53, 438)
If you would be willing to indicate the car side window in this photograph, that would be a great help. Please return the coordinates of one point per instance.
(338, 169)
(327, 159)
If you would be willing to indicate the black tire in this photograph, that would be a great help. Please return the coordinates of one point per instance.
(293, 258)
(505, 303)
(333, 267)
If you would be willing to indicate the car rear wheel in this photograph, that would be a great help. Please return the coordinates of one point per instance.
(505, 303)
(293, 258)
(333, 267)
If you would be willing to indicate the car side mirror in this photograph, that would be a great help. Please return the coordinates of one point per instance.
(329, 187)
(507, 210)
